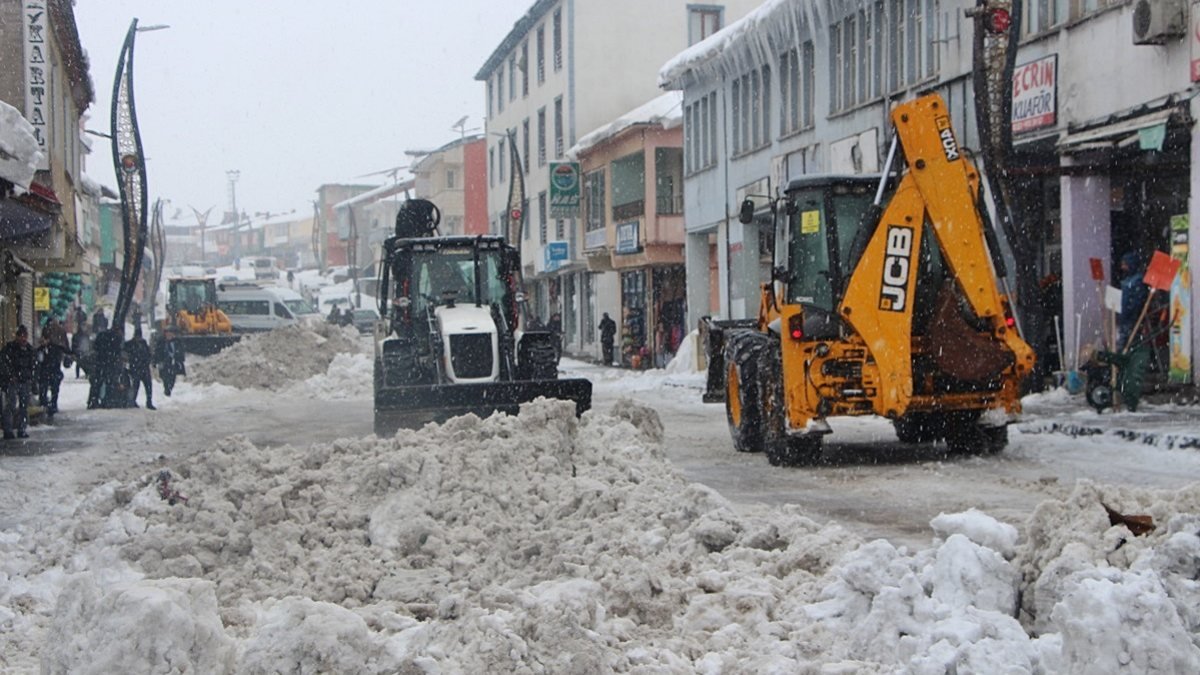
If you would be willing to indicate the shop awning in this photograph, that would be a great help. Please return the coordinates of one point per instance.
(1120, 132)
(18, 220)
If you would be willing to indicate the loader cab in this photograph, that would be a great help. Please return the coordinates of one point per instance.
(191, 294)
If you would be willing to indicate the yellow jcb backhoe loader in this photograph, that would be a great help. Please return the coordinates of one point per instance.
(878, 307)
(192, 313)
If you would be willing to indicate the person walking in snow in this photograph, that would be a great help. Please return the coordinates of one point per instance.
(49, 372)
(137, 353)
(99, 321)
(19, 358)
(169, 357)
(81, 349)
(608, 331)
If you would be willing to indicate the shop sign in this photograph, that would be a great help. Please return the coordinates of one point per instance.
(556, 255)
(37, 72)
(1180, 370)
(1195, 41)
(564, 189)
(1035, 95)
(627, 238)
(41, 298)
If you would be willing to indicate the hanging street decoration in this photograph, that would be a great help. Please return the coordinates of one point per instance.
(131, 176)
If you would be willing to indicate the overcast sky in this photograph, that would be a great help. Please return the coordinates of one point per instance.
(291, 93)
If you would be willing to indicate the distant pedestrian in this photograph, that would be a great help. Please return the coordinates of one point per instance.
(99, 321)
(335, 316)
(137, 354)
(169, 357)
(81, 319)
(105, 374)
(50, 355)
(19, 358)
(608, 331)
(556, 333)
(81, 349)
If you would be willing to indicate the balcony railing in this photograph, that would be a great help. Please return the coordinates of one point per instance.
(630, 210)
(669, 205)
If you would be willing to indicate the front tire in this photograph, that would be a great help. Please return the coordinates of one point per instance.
(782, 449)
(743, 404)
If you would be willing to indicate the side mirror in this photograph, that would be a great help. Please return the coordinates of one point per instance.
(791, 209)
(746, 212)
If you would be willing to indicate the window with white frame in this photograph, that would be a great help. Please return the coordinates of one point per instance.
(541, 54)
(491, 167)
(542, 218)
(560, 229)
(1043, 15)
(856, 51)
(796, 73)
(500, 167)
(490, 106)
(593, 191)
(525, 145)
(500, 89)
(558, 128)
(512, 77)
(524, 66)
(451, 179)
(750, 95)
(557, 38)
(541, 135)
(704, 20)
(911, 53)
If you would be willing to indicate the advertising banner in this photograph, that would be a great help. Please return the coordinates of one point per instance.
(556, 255)
(1180, 361)
(627, 238)
(1035, 95)
(564, 189)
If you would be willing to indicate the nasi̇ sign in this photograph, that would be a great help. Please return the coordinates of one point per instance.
(1035, 95)
(564, 189)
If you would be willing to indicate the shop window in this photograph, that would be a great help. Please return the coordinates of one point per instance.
(634, 352)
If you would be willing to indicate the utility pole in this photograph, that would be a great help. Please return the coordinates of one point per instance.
(233, 175)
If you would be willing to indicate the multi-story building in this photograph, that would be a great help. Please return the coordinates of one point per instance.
(455, 178)
(332, 240)
(568, 67)
(1103, 110)
(632, 172)
(365, 220)
(45, 78)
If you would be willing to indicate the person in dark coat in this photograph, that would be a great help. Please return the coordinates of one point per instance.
(105, 375)
(608, 332)
(169, 357)
(81, 349)
(99, 322)
(50, 356)
(137, 354)
(1133, 296)
(556, 333)
(19, 357)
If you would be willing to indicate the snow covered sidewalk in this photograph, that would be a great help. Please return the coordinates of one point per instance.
(1164, 425)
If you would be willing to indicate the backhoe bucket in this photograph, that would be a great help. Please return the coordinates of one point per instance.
(413, 406)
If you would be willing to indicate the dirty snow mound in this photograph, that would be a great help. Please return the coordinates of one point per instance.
(545, 543)
(276, 359)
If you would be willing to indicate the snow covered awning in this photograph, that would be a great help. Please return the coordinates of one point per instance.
(376, 194)
(666, 111)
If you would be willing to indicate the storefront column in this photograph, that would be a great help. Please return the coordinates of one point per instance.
(695, 251)
(1086, 233)
(723, 256)
(743, 266)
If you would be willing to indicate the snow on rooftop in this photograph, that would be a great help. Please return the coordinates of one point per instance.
(376, 193)
(773, 17)
(666, 110)
(19, 153)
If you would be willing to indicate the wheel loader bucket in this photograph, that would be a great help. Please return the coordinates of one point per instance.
(412, 406)
(206, 345)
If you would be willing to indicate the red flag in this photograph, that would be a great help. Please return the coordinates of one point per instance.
(1161, 272)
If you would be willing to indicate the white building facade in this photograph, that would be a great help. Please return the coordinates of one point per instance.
(1102, 122)
(566, 68)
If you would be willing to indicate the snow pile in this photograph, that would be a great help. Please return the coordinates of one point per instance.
(540, 543)
(19, 152)
(348, 377)
(685, 361)
(276, 359)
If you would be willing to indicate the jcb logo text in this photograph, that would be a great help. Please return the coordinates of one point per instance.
(893, 295)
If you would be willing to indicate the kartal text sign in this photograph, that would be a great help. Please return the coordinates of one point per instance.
(564, 189)
(1035, 95)
(37, 72)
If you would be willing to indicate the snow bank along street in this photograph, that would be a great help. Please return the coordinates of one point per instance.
(542, 543)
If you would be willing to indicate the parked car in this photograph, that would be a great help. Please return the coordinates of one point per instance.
(364, 319)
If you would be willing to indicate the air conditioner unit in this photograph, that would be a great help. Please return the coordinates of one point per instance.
(1157, 21)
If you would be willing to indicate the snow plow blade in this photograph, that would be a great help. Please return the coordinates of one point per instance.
(411, 407)
(206, 345)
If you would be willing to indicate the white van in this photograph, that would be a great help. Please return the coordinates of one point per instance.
(252, 308)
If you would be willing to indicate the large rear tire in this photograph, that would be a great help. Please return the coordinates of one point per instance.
(743, 403)
(965, 435)
(920, 427)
